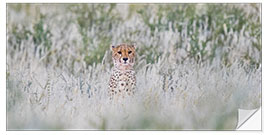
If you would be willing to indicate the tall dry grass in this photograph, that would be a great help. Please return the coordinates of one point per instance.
(196, 65)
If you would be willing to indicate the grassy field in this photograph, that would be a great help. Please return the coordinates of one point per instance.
(196, 65)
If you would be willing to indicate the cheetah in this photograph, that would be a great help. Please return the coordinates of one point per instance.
(122, 81)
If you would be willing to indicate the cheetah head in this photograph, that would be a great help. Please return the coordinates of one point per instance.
(123, 56)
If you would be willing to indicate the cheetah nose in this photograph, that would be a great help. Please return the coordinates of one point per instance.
(125, 59)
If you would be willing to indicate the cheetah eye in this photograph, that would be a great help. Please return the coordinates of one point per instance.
(129, 52)
(119, 52)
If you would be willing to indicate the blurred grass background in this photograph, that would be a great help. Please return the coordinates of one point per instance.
(54, 48)
(220, 22)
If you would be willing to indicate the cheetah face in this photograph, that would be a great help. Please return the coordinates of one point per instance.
(123, 56)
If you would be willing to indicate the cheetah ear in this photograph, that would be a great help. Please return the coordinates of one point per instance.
(133, 45)
(112, 47)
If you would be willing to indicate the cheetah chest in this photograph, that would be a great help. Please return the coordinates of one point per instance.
(122, 83)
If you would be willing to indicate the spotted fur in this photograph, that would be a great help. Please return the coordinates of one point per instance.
(122, 81)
